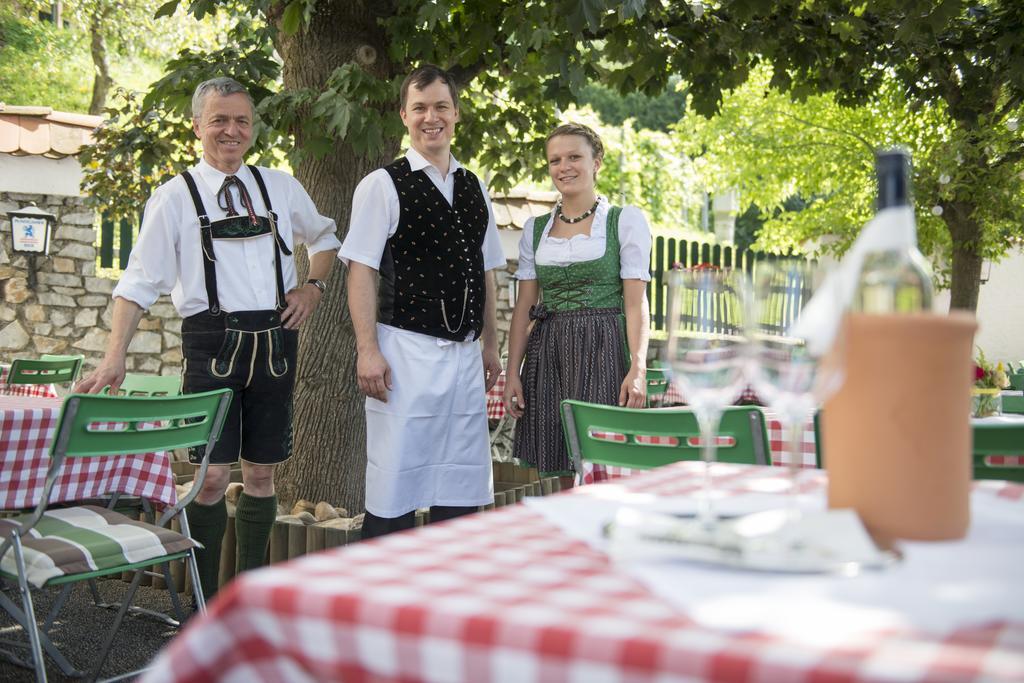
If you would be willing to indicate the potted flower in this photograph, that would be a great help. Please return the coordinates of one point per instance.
(989, 382)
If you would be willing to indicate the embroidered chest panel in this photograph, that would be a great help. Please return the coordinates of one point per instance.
(586, 284)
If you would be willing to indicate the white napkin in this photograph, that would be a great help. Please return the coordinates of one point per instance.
(890, 229)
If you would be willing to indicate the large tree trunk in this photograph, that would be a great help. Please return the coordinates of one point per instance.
(966, 233)
(329, 460)
(101, 81)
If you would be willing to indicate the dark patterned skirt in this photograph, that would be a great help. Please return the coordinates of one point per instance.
(570, 354)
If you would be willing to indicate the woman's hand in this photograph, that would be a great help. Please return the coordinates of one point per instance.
(633, 393)
(513, 395)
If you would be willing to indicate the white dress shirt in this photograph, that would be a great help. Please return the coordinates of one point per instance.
(634, 244)
(168, 256)
(375, 213)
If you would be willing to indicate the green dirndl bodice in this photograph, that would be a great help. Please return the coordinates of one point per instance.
(577, 348)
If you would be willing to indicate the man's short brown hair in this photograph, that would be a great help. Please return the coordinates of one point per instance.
(426, 75)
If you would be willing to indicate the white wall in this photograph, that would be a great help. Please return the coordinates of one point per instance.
(40, 175)
(1000, 310)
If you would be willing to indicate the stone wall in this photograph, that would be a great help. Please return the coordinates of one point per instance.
(70, 309)
(504, 277)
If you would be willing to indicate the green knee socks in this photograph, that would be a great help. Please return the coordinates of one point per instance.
(206, 524)
(254, 518)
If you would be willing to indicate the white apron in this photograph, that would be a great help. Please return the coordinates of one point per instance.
(428, 445)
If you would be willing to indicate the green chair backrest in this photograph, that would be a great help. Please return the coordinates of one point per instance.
(997, 440)
(45, 370)
(1013, 404)
(657, 382)
(148, 385)
(140, 424)
(645, 438)
(1017, 380)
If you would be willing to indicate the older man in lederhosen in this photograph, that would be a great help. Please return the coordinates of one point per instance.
(219, 238)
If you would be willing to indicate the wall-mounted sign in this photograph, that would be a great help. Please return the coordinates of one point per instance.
(31, 234)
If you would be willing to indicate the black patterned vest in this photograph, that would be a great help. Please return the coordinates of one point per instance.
(432, 270)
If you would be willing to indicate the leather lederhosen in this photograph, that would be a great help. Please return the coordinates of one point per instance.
(247, 351)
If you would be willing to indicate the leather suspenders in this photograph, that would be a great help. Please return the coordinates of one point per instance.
(206, 236)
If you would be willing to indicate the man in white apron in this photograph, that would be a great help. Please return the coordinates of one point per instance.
(219, 238)
(427, 340)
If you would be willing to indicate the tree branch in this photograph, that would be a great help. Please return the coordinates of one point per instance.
(1012, 157)
(1010, 104)
(855, 136)
(464, 74)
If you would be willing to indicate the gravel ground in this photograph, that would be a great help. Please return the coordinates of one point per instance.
(81, 628)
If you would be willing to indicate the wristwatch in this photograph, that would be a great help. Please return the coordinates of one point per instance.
(319, 284)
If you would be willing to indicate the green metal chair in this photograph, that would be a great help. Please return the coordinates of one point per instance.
(644, 438)
(999, 451)
(65, 545)
(657, 386)
(45, 370)
(148, 385)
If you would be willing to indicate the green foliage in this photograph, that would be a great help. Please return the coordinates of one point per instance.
(57, 60)
(954, 70)
(656, 113)
(771, 148)
(138, 149)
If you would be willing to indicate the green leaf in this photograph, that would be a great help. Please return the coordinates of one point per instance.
(167, 9)
(292, 18)
(586, 14)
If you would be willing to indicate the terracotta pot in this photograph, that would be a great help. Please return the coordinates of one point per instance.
(897, 434)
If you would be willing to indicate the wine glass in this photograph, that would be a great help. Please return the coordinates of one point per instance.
(707, 354)
(791, 377)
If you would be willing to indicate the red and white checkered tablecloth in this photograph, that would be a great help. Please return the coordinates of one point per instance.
(508, 596)
(44, 390)
(27, 428)
(495, 406)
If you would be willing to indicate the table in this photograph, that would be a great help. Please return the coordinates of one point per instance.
(23, 389)
(776, 435)
(27, 428)
(506, 595)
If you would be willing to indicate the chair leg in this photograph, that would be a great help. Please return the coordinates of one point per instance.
(109, 642)
(193, 569)
(175, 600)
(59, 659)
(28, 613)
(58, 604)
(94, 592)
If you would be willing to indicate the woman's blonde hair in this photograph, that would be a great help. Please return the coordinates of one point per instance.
(585, 132)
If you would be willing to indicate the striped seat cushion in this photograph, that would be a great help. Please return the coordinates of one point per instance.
(85, 539)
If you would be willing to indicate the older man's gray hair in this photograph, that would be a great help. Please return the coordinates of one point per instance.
(223, 86)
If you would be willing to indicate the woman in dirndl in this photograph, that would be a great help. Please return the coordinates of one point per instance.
(583, 272)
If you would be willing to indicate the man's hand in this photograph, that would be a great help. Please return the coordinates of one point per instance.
(492, 368)
(374, 375)
(302, 301)
(513, 396)
(110, 372)
(633, 392)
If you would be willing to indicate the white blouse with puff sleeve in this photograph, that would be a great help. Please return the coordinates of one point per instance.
(634, 245)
